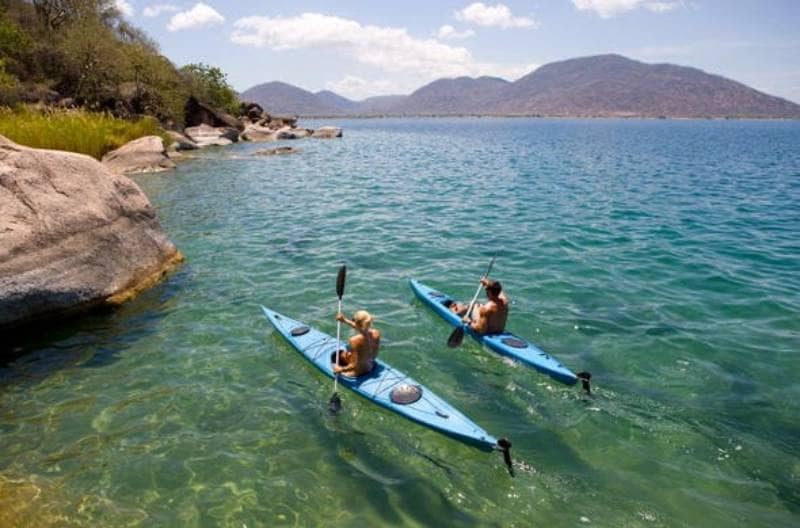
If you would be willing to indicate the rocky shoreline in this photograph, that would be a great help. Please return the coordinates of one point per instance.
(209, 128)
(78, 234)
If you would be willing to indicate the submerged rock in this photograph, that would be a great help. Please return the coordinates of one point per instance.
(146, 154)
(73, 235)
(277, 151)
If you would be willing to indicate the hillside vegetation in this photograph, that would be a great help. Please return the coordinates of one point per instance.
(84, 53)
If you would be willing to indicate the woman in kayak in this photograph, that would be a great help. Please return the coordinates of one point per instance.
(489, 318)
(359, 358)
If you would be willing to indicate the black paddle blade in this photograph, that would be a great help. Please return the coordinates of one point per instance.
(586, 379)
(340, 281)
(505, 447)
(335, 405)
(455, 339)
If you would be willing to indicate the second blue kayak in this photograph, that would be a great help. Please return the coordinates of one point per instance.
(385, 385)
(504, 343)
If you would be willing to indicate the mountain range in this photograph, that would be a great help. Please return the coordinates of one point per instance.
(598, 86)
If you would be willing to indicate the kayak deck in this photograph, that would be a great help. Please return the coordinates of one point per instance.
(378, 385)
(504, 343)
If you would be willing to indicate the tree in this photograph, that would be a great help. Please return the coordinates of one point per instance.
(210, 85)
(157, 87)
(55, 13)
(93, 58)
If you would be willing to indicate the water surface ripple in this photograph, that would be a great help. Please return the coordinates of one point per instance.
(663, 256)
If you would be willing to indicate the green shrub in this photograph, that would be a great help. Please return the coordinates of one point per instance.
(210, 85)
(81, 131)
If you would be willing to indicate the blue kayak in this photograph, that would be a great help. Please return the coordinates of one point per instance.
(505, 343)
(385, 385)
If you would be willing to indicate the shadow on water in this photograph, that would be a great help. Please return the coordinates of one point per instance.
(91, 340)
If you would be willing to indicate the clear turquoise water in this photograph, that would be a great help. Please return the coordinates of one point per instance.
(663, 256)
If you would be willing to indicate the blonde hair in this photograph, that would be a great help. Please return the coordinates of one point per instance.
(362, 319)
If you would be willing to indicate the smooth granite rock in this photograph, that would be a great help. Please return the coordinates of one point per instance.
(206, 136)
(146, 154)
(327, 132)
(73, 235)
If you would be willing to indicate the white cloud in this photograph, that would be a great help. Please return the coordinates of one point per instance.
(610, 8)
(388, 48)
(662, 7)
(124, 7)
(358, 88)
(449, 32)
(406, 61)
(499, 15)
(200, 15)
(156, 10)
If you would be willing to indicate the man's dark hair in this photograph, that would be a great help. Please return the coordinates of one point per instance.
(494, 287)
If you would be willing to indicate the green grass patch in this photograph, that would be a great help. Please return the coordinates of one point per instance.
(81, 131)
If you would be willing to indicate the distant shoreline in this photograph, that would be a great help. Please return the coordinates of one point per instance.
(535, 116)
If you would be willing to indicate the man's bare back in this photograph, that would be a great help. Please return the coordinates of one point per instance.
(490, 317)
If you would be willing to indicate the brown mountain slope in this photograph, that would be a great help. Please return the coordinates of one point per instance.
(599, 86)
(461, 95)
(612, 85)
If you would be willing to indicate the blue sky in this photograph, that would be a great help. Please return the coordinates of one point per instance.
(359, 49)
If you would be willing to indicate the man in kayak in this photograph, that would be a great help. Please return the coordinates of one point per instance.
(489, 318)
(359, 358)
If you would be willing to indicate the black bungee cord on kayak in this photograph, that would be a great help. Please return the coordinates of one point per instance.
(585, 378)
(504, 445)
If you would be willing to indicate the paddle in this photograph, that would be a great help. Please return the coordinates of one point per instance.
(335, 403)
(455, 339)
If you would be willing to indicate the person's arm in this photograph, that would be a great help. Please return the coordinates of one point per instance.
(340, 317)
(352, 324)
(480, 322)
(352, 363)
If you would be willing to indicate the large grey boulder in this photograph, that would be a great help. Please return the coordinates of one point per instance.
(146, 154)
(73, 235)
(180, 141)
(290, 133)
(327, 132)
(206, 136)
(197, 113)
(254, 132)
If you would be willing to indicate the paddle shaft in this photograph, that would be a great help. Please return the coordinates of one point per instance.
(338, 347)
(454, 341)
(478, 291)
(335, 402)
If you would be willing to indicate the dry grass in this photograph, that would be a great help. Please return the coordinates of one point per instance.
(73, 130)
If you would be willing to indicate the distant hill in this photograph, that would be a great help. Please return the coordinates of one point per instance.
(612, 85)
(282, 98)
(380, 105)
(599, 86)
(335, 100)
(453, 96)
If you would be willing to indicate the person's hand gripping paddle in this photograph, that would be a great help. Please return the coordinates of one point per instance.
(455, 339)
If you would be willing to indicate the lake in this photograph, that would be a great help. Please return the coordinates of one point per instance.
(663, 256)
